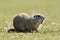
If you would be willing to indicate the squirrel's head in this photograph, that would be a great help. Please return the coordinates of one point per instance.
(39, 18)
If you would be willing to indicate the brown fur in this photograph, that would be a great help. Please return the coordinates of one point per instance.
(25, 23)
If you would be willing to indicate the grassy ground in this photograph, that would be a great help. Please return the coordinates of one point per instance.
(50, 29)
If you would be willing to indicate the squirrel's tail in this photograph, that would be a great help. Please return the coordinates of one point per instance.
(11, 30)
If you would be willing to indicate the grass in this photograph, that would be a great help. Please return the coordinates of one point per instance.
(50, 29)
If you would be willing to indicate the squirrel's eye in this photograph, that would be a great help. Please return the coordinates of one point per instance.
(38, 15)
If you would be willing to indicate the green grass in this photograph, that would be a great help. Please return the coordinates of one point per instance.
(50, 29)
